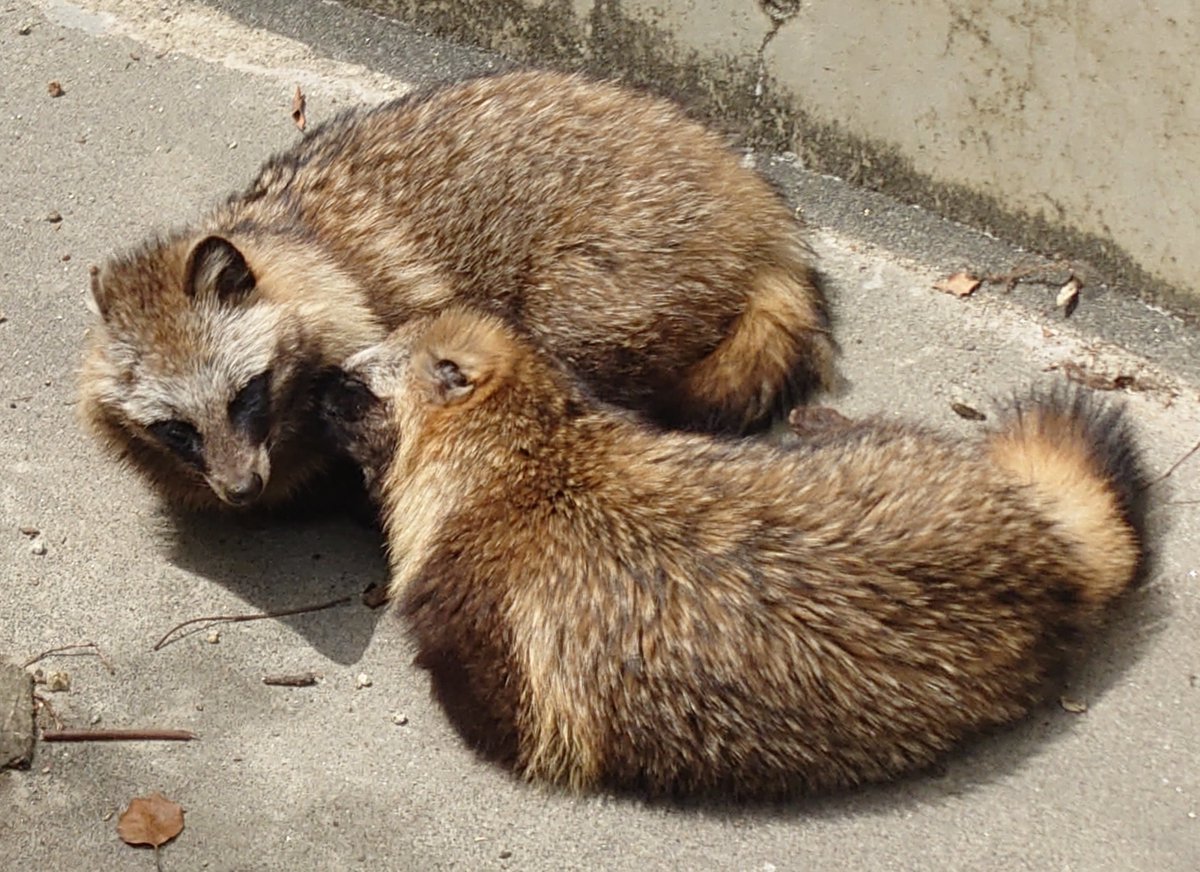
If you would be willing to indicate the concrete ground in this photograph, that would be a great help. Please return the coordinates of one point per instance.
(166, 106)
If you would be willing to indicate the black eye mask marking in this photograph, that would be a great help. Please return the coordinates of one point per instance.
(181, 438)
(250, 410)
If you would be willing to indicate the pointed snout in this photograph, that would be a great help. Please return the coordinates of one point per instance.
(238, 473)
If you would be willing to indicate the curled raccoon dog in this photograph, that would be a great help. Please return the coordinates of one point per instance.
(603, 605)
(609, 227)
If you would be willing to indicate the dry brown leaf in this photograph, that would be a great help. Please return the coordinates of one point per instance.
(1068, 296)
(298, 108)
(375, 595)
(961, 284)
(965, 411)
(150, 820)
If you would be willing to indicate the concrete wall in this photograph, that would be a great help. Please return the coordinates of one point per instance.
(1069, 126)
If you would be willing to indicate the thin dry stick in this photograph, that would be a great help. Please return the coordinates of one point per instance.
(1035, 273)
(299, 679)
(117, 736)
(237, 619)
(42, 703)
(95, 650)
(1174, 466)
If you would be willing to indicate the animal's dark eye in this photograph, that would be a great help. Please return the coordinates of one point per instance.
(179, 436)
(250, 410)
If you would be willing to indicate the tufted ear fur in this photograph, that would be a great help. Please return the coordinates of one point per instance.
(215, 267)
(461, 353)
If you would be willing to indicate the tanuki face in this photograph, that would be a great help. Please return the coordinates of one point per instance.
(426, 370)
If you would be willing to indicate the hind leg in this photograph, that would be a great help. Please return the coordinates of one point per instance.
(777, 352)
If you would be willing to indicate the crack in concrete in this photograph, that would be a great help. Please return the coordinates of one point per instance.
(780, 12)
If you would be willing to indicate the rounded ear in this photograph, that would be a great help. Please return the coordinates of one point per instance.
(461, 353)
(216, 267)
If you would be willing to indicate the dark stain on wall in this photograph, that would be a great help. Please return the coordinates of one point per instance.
(731, 93)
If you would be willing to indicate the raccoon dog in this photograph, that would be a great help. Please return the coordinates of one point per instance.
(602, 221)
(605, 605)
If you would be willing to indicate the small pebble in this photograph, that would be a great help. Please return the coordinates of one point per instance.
(1074, 706)
(399, 719)
(94, 718)
(213, 637)
(38, 547)
(504, 855)
(54, 217)
(25, 29)
(361, 681)
(56, 89)
(58, 682)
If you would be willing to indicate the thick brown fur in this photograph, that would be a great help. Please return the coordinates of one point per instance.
(619, 607)
(612, 229)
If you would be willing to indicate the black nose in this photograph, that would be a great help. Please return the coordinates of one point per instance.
(245, 491)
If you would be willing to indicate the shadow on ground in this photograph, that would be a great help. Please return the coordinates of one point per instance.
(281, 564)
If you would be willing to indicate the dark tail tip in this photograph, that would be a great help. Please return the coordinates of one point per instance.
(1109, 436)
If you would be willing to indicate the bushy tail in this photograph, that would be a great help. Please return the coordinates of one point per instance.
(1078, 455)
(777, 352)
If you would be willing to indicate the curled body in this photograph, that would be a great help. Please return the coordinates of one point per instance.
(605, 606)
(600, 221)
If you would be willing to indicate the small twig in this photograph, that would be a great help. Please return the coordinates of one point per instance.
(117, 735)
(1183, 502)
(95, 650)
(1037, 274)
(237, 619)
(42, 703)
(300, 679)
(1174, 466)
